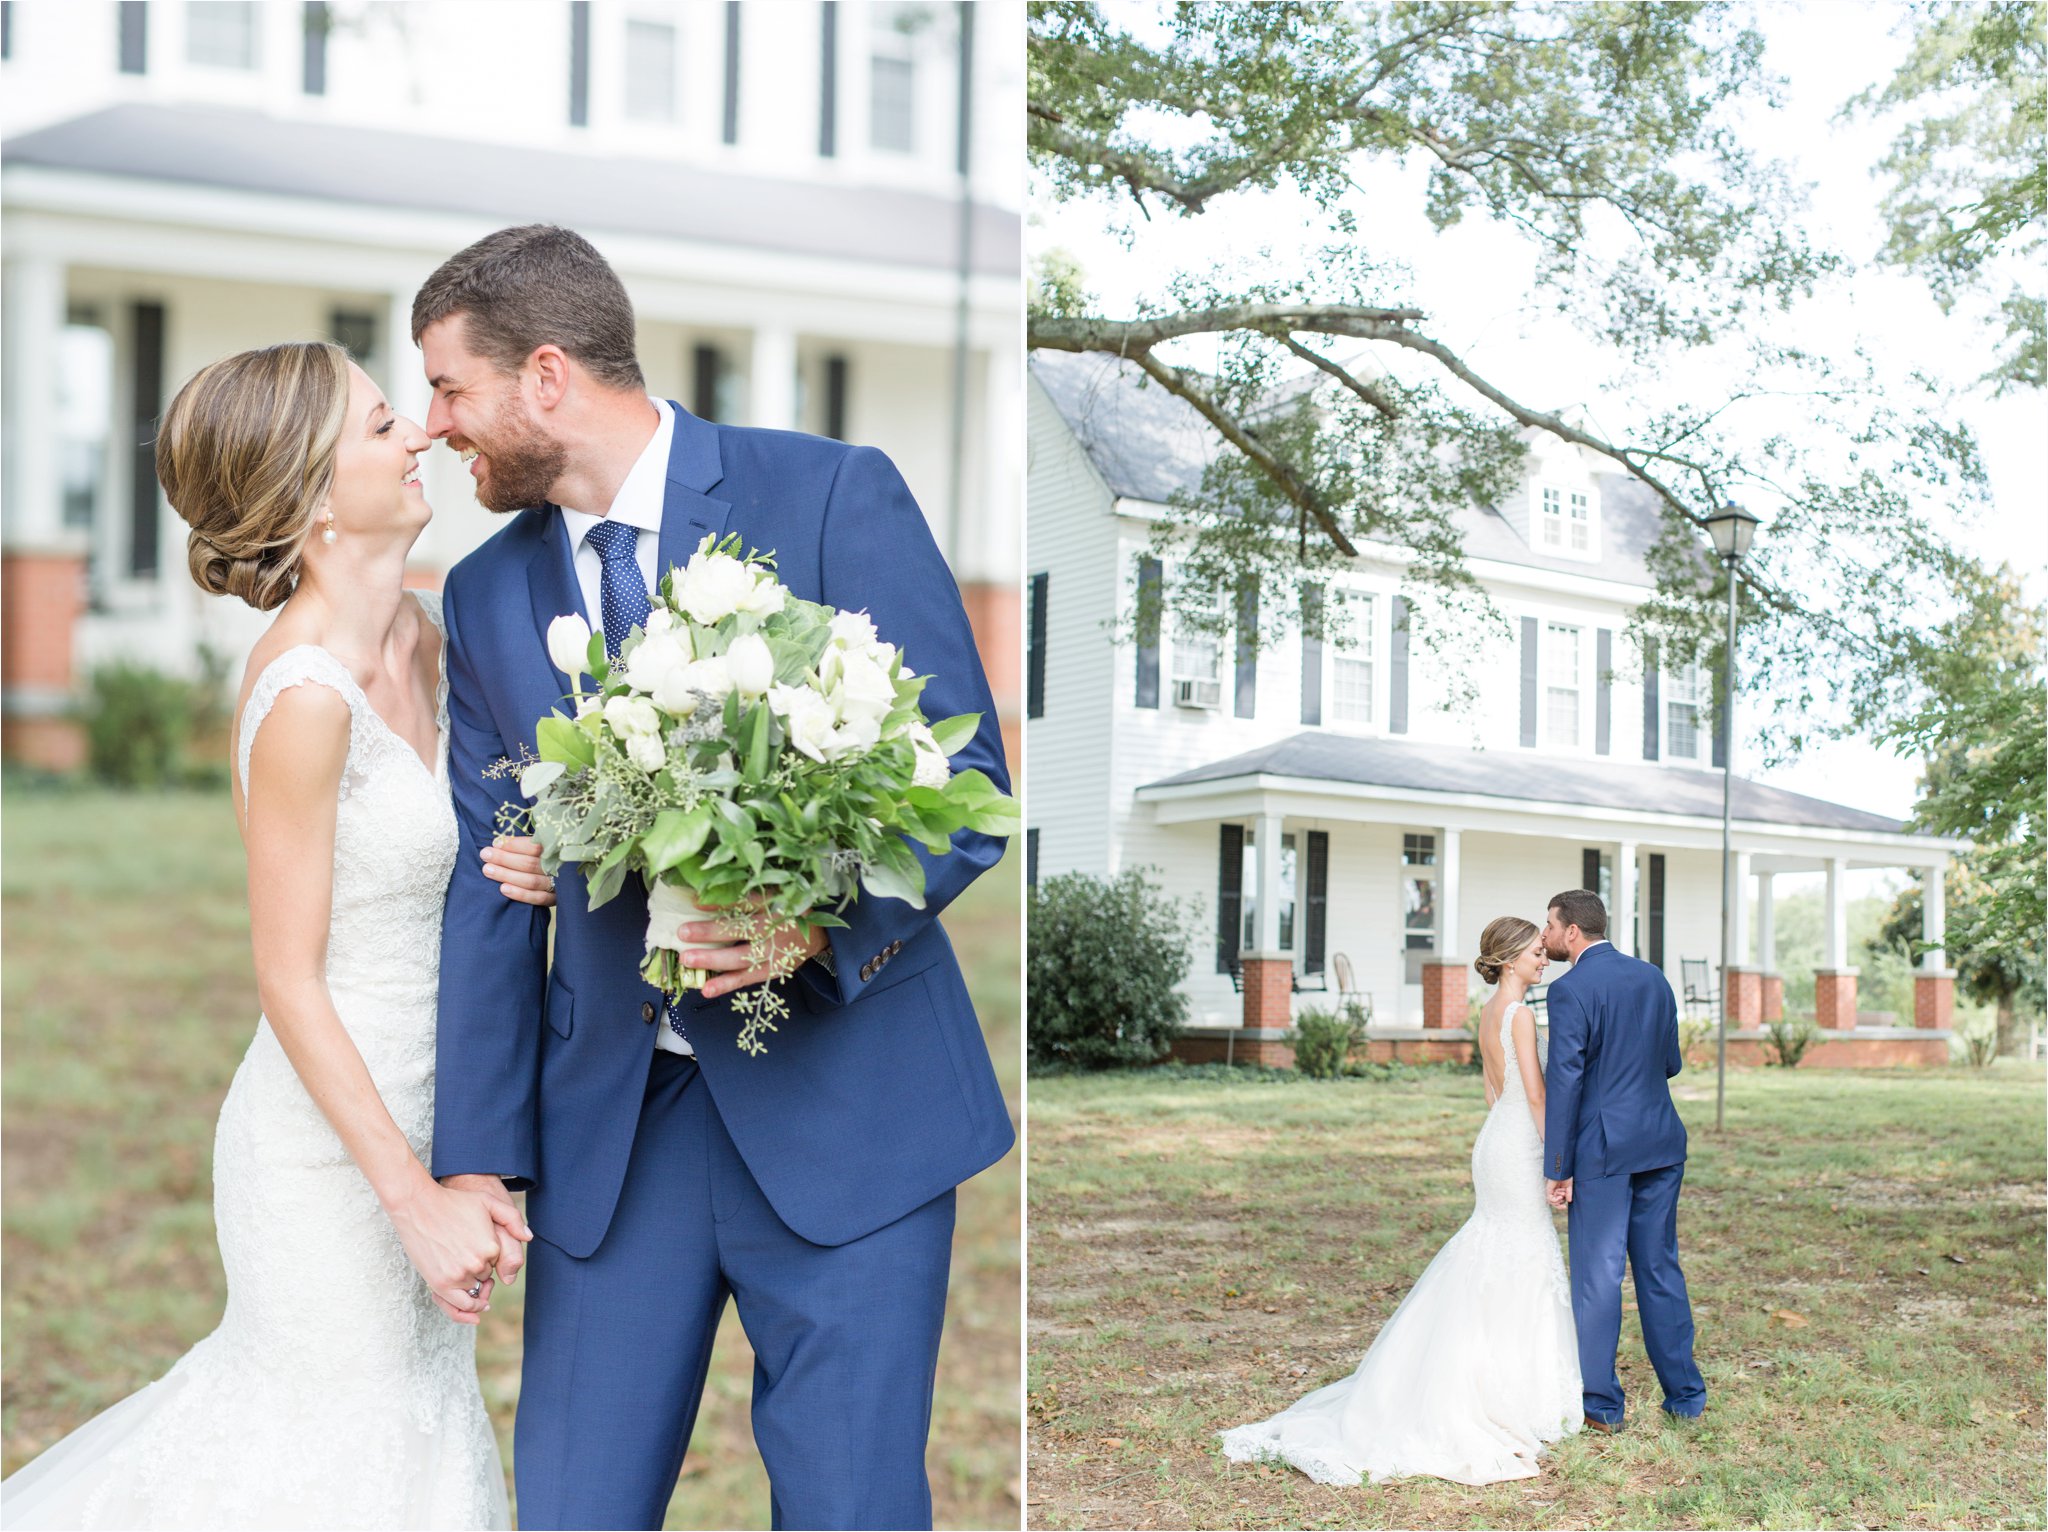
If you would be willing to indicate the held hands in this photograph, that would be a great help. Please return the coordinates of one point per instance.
(454, 1233)
(513, 863)
(1559, 1193)
(731, 964)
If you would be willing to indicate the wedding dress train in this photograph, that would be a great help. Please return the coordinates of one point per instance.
(334, 1393)
(1478, 1367)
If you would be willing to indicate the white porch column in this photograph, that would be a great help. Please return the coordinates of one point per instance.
(771, 379)
(1449, 940)
(1766, 922)
(1621, 921)
(1835, 945)
(1267, 932)
(34, 317)
(1934, 917)
(1738, 914)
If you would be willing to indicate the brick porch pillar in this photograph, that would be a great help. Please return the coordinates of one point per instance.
(1834, 998)
(42, 595)
(1268, 991)
(1443, 993)
(1745, 997)
(1934, 998)
(1774, 997)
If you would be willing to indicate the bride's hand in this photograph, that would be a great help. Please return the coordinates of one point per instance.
(513, 863)
(451, 1237)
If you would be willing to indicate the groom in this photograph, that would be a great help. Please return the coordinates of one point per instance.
(1616, 1153)
(665, 1170)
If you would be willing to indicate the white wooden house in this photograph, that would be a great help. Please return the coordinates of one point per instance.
(1344, 825)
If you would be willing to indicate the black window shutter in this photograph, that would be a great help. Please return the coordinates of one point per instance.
(1311, 655)
(837, 371)
(706, 367)
(1031, 859)
(1528, 682)
(828, 82)
(731, 124)
(313, 65)
(1034, 659)
(134, 25)
(1318, 900)
(1589, 869)
(1247, 651)
(148, 397)
(1650, 703)
(1603, 692)
(1397, 670)
(1229, 897)
(579, 63)
(1656, 952)
(1149, 597)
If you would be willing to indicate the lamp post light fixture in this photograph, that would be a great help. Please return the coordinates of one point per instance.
(1732, 529)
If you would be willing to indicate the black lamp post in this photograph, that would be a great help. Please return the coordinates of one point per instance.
(1732, 528)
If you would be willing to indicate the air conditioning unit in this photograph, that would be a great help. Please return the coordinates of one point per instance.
(1207, 695)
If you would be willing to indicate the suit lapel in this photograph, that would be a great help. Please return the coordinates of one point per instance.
(689, 514)
(552, 586)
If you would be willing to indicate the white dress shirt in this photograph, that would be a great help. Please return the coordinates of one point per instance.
(1602, 942)
(639, 504)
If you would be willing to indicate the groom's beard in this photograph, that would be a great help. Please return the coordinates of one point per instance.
(1556, 954)
(521, 462)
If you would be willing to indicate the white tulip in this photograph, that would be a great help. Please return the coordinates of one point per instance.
(852, 630)
(711, 676)
(660, 620)
(569, 645)
(632, 716)
(751, 664)
(712, 587)
(864, 690)
(644, 750)
(806, 715)
(654, 657)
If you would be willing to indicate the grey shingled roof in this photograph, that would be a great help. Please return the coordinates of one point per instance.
(1147, 445)
(1330, 757)
(246, 151)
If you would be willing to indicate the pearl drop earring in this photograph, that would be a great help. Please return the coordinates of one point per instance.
(328, 535)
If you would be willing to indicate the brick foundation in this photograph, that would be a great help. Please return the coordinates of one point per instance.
(1269, 993)
(1774, 997)
(1745, 997)
(1832, 1052)
(1834, 998)
(1443, 994)
(1934, 998)
(1274, 1054)
(41, 597)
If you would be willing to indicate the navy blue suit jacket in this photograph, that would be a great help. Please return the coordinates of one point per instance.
(877, 1093)
(1613, 1044)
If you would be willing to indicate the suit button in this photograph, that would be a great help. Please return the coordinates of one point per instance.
(647, 1011)
(867, 971)
(895, 947)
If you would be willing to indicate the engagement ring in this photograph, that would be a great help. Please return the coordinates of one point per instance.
(476, 1288)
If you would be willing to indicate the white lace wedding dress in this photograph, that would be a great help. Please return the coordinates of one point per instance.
(1478, 1367)
(334, 1393)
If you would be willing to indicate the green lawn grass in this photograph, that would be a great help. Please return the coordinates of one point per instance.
(128, 1002)
(1864, 1252)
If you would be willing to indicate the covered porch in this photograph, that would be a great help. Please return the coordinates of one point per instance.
(1365, 870)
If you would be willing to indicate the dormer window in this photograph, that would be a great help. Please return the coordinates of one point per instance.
(1580, 528)
(1550, 525)
(1564, 523)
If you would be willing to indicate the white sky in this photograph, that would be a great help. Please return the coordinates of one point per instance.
(1827, 52)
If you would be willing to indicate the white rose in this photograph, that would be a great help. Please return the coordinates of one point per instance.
(806, 715)
(766, 598)
(654, 657)
(632, 716)
(932, 769)
(856, 736)
(751, 664)
(569, 645)
(712, 676)
(587, 704)
(660, 620)
(864, 690)
(852, 630)
(644, 751)
(712, 587)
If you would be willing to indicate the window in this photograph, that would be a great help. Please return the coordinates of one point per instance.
(1418, 901)
(650, 71)
(1197, 651)
(1581, 529)
(1249, 937)
(1351, 669)
(133, 24)
(221, 34)
(317, 23)
(892, 81)
(1682, 712)
(355, 332)
(85, 415)
(1550, 520)
(1561, 692)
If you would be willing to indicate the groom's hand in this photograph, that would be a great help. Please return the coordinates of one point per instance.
(1559, 1192)
(509, 1225)
(731, 965)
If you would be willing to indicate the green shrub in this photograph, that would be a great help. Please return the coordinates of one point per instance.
(1974, 1038)
(138, 723)
(1695, 1033)
(1790, 1037)
(1106, 959)
(1325, 1040)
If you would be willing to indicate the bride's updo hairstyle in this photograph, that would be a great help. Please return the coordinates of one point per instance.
(1501, 943)
(246, 455)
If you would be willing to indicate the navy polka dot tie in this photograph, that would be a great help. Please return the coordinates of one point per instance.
(622, 589)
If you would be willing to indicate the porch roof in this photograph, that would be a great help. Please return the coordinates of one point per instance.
(1325, 756)
(246, 151)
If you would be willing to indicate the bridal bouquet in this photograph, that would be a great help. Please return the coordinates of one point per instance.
(748, 753)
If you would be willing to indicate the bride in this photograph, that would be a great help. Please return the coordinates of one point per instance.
(340, 1388)
(1478, 1367)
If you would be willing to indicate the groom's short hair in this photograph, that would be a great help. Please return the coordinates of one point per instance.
(536, 285)
(1578, 907)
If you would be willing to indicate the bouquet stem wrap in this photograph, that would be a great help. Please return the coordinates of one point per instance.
(670, 905)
